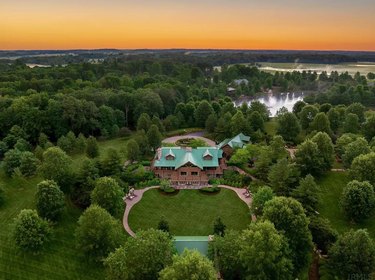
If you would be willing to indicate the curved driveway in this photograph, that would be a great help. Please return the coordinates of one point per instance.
(173, 139)
(139, 193)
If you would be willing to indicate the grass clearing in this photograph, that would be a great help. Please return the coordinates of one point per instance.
(59, 259)
(190, 212)
(332, 185)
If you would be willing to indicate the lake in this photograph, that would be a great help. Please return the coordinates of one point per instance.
(274, 102)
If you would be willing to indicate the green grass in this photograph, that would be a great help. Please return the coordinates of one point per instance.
(59, 259)
(332, 185)
(190, 212)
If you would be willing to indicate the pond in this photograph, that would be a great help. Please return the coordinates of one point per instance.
(274, 102)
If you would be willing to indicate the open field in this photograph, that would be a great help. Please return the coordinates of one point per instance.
(351, 68)
(190, 212)
(59, 259)
(332, 185)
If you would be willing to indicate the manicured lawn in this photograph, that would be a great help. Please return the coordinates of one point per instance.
(58, 260)
(190, 212)
(332, 185)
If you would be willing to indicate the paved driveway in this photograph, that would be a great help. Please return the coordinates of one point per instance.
(173, 139)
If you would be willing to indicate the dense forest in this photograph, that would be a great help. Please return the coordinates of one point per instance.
(54, 119)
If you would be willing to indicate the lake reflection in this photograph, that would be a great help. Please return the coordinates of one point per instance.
(274, 102)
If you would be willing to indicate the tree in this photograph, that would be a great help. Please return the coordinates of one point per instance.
(309, 159)
(154, 137)
(352, 150)
(111, 163)
(307, 115)
(277, 146)
(307, 193)
(2, 196)
(108, 195)
(132, 150)
(325, 148)
(363, 168)
(144, 122)
(28, 164)
(283, 177)
(351, 124)
(98, 233)
(343, 141)
(260, 198)
(92, 148)
(369, 128)
(12, 160)
(56, 166)
(256, 121)
(239, 124)
(256, 106)
(163, 225)
(323, 235)
(352, 254)
(211, 123)
(87, 174)
(141, 257)
(202, 112)
(288, 126)
(358, 109)
(358, 200)
(321, 123)
(219, 227)
(334, 119)
(288, 216)
(50, 200)
(264, 253)
(30, 231)
(189, 265)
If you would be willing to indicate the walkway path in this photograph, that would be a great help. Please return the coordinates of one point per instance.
(139, 193)
(129, 204)
(173, 139)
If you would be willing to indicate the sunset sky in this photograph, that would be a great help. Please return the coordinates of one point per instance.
(224, 24)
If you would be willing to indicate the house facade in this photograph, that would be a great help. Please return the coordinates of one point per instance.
(187, 166)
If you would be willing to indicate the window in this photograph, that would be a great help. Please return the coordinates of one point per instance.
(194, 173)
(183, 173)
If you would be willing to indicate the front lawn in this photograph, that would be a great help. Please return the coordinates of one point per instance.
(190, 212)
(332, 185)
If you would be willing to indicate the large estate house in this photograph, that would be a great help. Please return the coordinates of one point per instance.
(187, 166)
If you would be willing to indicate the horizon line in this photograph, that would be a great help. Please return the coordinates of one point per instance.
(187, 49)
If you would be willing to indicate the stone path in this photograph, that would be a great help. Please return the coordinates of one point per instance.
(139, 193)
(173, 139)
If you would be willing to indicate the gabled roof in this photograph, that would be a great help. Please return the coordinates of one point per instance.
(184, 156)
(237, 141)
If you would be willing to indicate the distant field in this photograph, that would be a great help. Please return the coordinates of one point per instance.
(332, 185)
(351, 68)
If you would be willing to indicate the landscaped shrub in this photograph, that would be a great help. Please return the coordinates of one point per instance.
(165, 186)
(210, 189)
(148, 183)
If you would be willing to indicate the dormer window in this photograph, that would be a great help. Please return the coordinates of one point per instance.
(169, 157)
(207, 157)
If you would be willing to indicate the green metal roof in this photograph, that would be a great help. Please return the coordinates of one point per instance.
(199, 243)
(182, 156)
(237, 141)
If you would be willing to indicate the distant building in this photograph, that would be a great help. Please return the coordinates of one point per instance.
(187, 166)
(229, 144)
